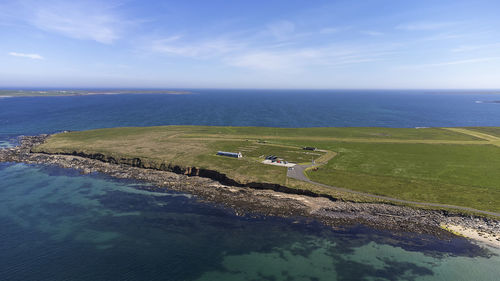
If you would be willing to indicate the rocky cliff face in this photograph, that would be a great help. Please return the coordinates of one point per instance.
(255, 198)
(193, 171)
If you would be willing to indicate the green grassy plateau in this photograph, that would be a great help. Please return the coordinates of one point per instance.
(457, 166)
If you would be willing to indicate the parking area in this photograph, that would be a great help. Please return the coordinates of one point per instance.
(278, 163)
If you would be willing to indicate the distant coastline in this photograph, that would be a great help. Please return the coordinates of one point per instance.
(62, 93)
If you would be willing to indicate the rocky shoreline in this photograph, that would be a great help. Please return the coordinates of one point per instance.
(269, 199)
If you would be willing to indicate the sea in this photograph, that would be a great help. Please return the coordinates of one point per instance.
(58, 224)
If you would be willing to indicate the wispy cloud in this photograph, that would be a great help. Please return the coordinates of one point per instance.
(89, 20)
(445, 37)
(475, 60)
(23, 55)
(455, 62)
(272, 47)
(94, 20)
(329, 30)
(422, 26)
(262, 60)
(294, 60)
(467, 48)
(371, 33)
(281, 30)
(174, 45)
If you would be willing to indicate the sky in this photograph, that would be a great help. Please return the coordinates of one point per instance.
(290, 44)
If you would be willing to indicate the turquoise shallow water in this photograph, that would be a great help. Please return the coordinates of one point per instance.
(56, 224)
(59, 225)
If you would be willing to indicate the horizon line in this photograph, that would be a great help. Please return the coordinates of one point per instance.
(35, 88)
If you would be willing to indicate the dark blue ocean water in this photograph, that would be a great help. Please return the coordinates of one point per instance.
(56, 224)
(271, 108)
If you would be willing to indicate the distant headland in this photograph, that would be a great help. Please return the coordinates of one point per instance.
(57, 93)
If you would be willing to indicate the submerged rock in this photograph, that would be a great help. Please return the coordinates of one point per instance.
(256, 198)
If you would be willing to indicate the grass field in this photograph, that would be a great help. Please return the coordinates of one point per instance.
(458, 166)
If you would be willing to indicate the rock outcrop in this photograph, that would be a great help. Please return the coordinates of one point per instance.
(254, 198)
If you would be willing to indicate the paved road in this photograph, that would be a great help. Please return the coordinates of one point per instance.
(297, 172)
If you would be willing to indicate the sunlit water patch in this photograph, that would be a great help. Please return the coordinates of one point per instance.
(59, 225)
(7, 141)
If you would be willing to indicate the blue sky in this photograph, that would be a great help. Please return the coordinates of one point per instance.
(250, 44)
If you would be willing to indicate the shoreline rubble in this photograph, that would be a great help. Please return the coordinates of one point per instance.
(263, 200)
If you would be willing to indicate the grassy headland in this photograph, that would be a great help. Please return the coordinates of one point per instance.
(437, 165)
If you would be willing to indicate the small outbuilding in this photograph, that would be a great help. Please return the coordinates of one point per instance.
(230, 154)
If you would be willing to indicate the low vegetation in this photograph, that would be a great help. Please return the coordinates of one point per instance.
(438, 165)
